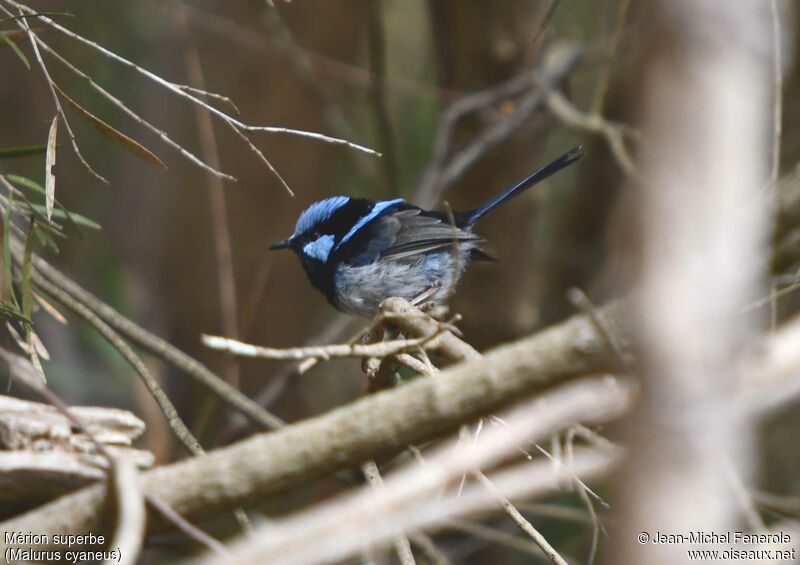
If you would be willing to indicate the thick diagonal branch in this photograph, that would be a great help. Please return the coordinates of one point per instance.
(383, 423)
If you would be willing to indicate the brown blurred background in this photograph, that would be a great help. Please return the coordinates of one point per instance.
(379, 73)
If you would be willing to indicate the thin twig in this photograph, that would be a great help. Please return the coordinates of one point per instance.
(323, 352)
(207, 94)
(23, 24)
(429, 549)
(585, 307)
(185, 526)
(614, 133)
(605, 75)
(401, 545)
(773, 296)
(534, 88)
(377, 66)
(465, 352)
(175, 422)
(315, 135)
(777, 94)
(520, 520)
(156, 345)
(496, 536)
(177, 89)
(260, 154)
(191, 157)
(223, 252)
(177, 425)
(584, 494)
(548, 16)
(131, 513)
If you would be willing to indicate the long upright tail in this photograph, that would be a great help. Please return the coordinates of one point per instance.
(469, 217)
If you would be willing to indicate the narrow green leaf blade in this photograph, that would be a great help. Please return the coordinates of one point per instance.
(63, 214)
(37, 188)
(7, 273)
(27, 291)
(15, 48)
(21, 151)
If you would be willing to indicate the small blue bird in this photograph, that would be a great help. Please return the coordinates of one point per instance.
(359, 252)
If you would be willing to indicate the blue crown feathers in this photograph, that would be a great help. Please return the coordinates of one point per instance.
(319, 212)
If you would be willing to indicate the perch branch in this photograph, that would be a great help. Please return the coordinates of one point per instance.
(382, 423)
(322, 352)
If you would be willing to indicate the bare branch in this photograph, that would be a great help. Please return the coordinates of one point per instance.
(520, 520)
(23, 24)
(322, 352)
(180, 90)
(418, 411)
(317, 535)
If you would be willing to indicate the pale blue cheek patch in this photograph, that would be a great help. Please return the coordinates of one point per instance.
(376, 210)
(320, 248)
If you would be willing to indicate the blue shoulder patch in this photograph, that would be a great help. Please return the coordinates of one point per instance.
(368, 217)
(319, 212)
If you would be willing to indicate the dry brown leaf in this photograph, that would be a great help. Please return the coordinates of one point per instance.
(39, 347)
(18, 35)
(49, 175)
(113, 134)
(50, 309)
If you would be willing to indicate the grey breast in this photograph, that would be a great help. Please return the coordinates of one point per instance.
(362, 288)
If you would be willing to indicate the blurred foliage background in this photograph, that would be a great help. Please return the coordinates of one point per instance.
(378, 73)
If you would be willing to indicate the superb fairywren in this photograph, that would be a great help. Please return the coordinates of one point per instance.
(359, 252)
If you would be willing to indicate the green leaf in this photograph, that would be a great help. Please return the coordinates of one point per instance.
(64, 214)
(26, 182)
(27, 207)
(46, 240)
(61, 211)
(22, 151)
(11, 311)
(27, 292)
(15, 48)
(7, 275)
